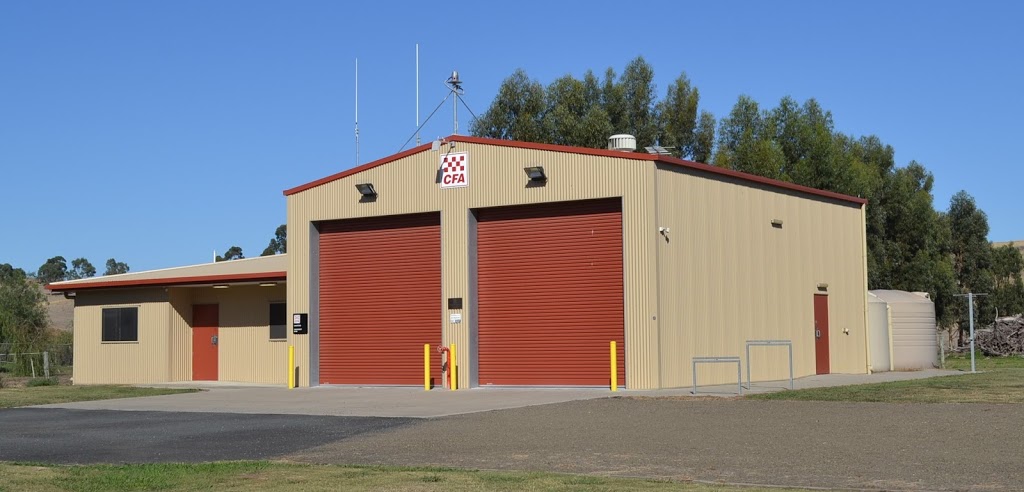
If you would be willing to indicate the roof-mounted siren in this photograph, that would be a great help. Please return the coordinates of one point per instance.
(622, 142)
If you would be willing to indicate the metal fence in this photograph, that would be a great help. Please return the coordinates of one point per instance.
(45, 361)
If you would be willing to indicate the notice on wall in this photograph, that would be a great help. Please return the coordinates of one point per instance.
(455, 170)
(455, 317)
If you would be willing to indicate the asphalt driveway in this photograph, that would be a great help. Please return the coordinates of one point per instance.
(104, 436)
(812, 444)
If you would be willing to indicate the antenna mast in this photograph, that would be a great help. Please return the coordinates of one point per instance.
(417, 93)
(455, 85)
(357, 111)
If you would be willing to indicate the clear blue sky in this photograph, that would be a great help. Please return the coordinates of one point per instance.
(156, 132)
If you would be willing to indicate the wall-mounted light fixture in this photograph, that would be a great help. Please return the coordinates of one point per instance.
(220, 286)
(367, 190)
(777, 223)
(268, 284)
(536, 173)
(822, 286)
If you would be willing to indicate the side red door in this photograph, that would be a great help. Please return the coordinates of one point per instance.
(205, 326)
(821, 362)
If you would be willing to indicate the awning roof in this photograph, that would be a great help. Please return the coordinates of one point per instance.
(263, 268)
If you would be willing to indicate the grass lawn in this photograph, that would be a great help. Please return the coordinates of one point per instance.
(260, 475)
(999, 380)
(42, 395)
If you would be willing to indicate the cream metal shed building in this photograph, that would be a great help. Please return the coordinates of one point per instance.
(531, 258)
(543, 254)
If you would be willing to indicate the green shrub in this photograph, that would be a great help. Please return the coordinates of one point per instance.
(42, 382)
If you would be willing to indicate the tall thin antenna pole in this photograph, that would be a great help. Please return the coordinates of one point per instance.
(455, 85)
(357, 111)
(417, 93)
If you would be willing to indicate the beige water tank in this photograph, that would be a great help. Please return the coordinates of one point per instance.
(912, 330)
(622, 142)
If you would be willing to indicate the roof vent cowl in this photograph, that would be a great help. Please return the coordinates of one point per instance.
(622, 142)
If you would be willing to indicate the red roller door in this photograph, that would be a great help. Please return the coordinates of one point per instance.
(550, 293)
(380, 298)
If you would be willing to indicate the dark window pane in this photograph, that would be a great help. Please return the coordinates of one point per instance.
(129, 324)
(121, 325)
(278, 321)
(278, 314)
(110, 322)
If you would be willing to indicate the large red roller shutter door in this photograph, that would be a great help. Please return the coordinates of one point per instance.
(380, 299)
(550, 295)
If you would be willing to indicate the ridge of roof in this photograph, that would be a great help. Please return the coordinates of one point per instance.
(584, 151)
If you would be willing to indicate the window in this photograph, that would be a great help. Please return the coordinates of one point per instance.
(278, 321)
(121, 324)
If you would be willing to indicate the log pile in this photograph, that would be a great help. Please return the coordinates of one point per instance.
(1003, 339)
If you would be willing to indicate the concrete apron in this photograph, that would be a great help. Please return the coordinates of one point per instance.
(415, 402)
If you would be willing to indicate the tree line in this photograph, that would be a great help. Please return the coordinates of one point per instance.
(911, 245)
(56, 269)
(278, 245)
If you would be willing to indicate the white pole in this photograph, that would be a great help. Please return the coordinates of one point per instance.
(357, 111)
(417, 93)
(970, 312)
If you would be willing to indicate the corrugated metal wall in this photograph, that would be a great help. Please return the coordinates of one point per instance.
(496, 177)
(247, 354)
(728, 276)
(180, 334)
(164, 350)
(98, 362)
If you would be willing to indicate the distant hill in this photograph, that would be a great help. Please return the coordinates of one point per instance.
(1017, 244)
(61, 311)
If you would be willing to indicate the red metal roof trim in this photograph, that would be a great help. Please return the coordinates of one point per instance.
(587, 151)
(204, 279)
(354, 170)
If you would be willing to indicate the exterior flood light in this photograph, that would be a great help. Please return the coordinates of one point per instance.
(535, 173)
(366, 189)
(777, 223)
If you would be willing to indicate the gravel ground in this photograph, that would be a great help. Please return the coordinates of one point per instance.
(809, 444)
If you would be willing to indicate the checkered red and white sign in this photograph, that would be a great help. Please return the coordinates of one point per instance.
(454, 170)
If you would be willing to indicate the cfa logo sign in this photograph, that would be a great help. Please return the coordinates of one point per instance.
(454, 170)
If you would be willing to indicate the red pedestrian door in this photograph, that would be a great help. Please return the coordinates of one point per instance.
(821, 361)
(205, 326)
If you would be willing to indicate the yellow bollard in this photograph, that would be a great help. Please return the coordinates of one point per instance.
(455, 371)
(615, 368)
(426, 367)
(291, 367)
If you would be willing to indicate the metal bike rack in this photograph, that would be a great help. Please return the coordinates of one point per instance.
(771, 343)
(713, 360)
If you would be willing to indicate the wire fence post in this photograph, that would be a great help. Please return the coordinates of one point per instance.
(46, 364)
